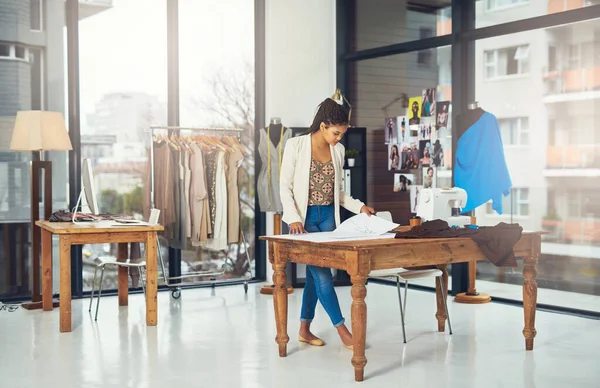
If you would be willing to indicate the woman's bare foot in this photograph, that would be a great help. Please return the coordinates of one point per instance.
(345, 335)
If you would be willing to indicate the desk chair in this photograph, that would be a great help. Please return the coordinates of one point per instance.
(406, 275)
(102, 261)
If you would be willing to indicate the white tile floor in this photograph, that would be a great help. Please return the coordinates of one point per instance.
(221, 338)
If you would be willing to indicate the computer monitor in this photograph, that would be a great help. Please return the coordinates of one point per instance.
(89, 186)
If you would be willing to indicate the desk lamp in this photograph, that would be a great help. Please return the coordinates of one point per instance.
(340, 98)
(39, 131)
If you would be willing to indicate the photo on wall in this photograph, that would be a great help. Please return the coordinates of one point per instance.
(415, 191)
(410, 155)
(428, 103)
(414, 111)
(443, 112)
(437, 154)
(425, 129)
(402, 182)
(403, 131)
(424, 153)
(394, 157)
(391, 130)
(429, 178)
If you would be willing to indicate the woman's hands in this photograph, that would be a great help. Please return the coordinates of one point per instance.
(297, 228)
(367, 209)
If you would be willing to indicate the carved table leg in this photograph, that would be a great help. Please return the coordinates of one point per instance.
(529, 299)
(441, 310)
(359, 325)
(280, 297)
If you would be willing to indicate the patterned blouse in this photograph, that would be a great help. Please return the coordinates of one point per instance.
(322, 182)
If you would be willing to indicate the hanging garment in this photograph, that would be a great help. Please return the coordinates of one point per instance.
(233, 197)
(480, 164)
(268, 178)
(164, 182)
(198, 197)
(210, 160)
(187, 180)
(219, 237)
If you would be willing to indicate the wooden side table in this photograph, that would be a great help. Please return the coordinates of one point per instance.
(77, 234)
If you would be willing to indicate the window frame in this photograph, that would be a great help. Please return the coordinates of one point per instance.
(519, 130)
(522, 61)
(41, 15)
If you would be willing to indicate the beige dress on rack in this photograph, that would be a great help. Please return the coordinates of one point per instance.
(233, 197)
(198, 197)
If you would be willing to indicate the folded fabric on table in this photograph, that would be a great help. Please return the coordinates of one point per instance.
(495, 242)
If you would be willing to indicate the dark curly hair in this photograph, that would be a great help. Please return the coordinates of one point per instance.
(330, 113)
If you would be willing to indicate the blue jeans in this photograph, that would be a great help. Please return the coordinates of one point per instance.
(319, 281)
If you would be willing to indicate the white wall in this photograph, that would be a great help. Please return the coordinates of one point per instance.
(300, 65)
(300, 58)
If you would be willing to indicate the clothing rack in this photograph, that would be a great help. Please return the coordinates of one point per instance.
(176, 287)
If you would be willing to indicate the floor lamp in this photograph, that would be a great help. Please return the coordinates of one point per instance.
(39, 131)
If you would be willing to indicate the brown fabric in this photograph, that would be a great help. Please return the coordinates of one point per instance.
(164, 182)
(233, 197)
(495, 242)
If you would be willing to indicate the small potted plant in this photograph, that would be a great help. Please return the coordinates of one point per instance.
(351, 154)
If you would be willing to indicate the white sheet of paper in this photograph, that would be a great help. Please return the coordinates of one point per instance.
(363, 225)
(329, 237)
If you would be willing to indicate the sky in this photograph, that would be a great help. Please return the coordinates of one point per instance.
(124, 49)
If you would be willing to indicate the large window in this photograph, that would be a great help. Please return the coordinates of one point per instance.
(217, 91)
(122, 95)
(32, 77)
(552, 111)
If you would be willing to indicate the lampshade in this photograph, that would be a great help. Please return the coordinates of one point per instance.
(40, 131)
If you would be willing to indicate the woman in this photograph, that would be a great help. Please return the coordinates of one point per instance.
(395, 158)
(311, 194)
(425, 160)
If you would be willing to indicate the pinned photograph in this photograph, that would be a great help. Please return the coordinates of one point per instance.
(437, 154)
(414, 197)
(443, 112)
(391, 130)
(402, 182)
(424, 131)
(394, 158)
(414, 111)
(424, 153)
(410, 156)
(403, 131)
(429, 178)
(428, 103)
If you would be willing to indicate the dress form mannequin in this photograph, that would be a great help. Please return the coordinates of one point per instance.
(268, 179)
(467, 119)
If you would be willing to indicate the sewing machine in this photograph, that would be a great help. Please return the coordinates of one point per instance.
(443, 204)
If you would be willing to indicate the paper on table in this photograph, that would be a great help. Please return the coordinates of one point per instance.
(363, 225)
(329, 237)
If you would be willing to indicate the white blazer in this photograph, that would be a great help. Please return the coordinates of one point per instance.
(295, 180)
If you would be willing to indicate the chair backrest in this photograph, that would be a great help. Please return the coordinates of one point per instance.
(385, 215)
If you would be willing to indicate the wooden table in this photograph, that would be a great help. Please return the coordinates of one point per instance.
(358, 258)
(78, 234)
